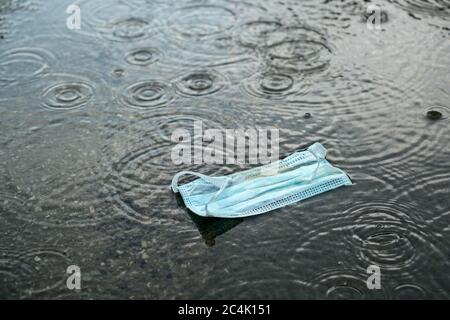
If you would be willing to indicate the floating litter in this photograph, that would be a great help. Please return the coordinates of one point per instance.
(262, 189)
(434, 115)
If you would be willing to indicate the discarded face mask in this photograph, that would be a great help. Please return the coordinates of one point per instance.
(299, 176)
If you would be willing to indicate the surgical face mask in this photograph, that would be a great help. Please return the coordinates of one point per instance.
(299, 176)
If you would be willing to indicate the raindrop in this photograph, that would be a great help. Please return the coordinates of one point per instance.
(200, 83)
(131, 28)
(143, 56)
(272, 83)
(66, 96)
(273, 86)
(147, 94)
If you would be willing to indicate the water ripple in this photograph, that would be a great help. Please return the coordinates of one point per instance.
(201, 20)
(165, 126)
(391, 235)
(11, 202)
(67, 190)
(312, 70)
(202, 35)
(375, 135)
(143, 56)
(147, 95)
(23, 65)
(137, 156)
(200, 83)
(130, 28)
(68, 95)
(409, 291)
(340, 284)
(141, 178)
(298, 48)
(265, 289)
(117, 20)
(253, 33)
(274, 86)
(433, 184)
(39, 270)
(440, 8)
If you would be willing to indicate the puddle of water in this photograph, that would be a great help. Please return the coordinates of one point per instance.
(85, 147)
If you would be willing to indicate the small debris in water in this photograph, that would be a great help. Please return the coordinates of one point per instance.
(414, 16)
(307, 115)
(210, 242)
(434, 115)
(118, 72)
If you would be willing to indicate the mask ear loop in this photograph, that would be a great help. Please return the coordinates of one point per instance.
(216, 181)
(314, 149)
(313, 175)
(219, 182)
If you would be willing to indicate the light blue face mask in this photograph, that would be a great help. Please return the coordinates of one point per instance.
(301, 175)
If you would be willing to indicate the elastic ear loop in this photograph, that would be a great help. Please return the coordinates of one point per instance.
(317, 166)
(216, 181)
(219, 182)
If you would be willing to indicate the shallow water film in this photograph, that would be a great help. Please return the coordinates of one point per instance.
(91, 92)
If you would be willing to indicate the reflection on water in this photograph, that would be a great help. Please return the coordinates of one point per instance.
(85, 146)
(210, 228)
